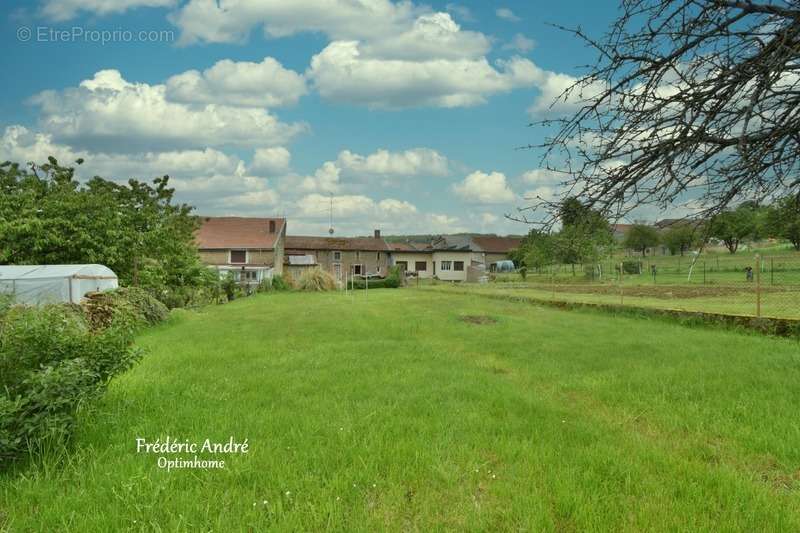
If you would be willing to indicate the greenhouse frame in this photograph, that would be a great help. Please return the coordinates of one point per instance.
(41, 284)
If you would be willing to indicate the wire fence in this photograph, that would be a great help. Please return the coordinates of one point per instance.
(752, 285)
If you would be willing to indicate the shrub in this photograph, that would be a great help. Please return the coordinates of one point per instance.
(631, 267)
(283, 282)
(395, 278)
(229, 286)
(265, 285)
(131, 305)
(51, 361)
(316, 279)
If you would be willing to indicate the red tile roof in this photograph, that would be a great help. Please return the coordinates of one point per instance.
(217, 233)
(496, 245)
(366, 244)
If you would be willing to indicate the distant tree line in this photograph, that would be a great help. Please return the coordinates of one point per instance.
(586, 237)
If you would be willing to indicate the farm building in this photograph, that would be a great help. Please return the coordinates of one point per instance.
(413, 257)
(40, 284)
(344, 255)
(250, 248)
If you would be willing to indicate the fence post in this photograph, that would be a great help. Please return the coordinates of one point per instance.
(758, 285)
(553, 284)
(621, 292)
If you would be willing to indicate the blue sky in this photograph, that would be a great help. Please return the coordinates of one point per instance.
(406, 114)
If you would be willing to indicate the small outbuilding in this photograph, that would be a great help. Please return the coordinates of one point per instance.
(39, 284)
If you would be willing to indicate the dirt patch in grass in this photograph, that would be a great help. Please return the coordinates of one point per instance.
(478, 319)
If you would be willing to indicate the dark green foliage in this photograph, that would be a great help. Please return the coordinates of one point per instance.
(230, 287)
(641, 237)
(735, 225)
(783, 220)
(395, 278)
(279, 283)
(679, 238)
(130, 305)
(51, 362)
(47, 217)
(631, 267)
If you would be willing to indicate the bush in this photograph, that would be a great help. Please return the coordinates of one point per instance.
(52, 361)
(283, 282)
(631, 267)
(230, 287)
(395, 278)
(316, 279)
(133, 306)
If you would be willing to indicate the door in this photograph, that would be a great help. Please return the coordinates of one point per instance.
(337, 271)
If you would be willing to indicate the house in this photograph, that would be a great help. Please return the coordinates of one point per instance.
(454, 256)
(344, 255)
(496, 249)
(413, 257)
(251, 248)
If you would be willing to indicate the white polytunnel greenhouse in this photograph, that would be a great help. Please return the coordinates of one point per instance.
(40, 284)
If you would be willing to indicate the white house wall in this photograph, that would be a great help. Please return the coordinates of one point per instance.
(452, 275)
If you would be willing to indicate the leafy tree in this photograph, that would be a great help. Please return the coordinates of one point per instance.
(539, 250)
(679, 238)
(733, 226)
(48, 217)
(640, 237)
(585, 234)
(783, 220)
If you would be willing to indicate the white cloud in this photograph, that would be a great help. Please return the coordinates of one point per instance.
(506, 14)
(414, 162)
(488, 218)
(483, 188)
(204, 178)
(325, 179)
(60, 10)
(232, 20)
(340, 73)
(435, 35)
(551, 98)
(462, 12)
(108, 113)
(271, 160)
(242, 83)
(520, 43)
(539, 176)
(391, 207)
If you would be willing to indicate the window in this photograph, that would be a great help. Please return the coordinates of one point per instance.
(337, 256)
(421, 266)
(250, 275)
(458, 266)
(378, 256)
(239, 256)
(445, 265)
(357, 270)
(403, 265)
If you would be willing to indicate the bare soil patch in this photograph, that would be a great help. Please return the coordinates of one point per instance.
(478, 319)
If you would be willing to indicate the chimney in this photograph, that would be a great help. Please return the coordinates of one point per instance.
(272, 226)
(377, 234)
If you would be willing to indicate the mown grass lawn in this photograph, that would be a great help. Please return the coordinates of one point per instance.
(392, 413)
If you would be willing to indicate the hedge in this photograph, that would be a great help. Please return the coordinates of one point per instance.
(55, 358)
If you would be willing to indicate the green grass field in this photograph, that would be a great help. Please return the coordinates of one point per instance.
(394, 412)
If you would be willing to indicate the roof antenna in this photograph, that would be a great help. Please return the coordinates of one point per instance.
(330, 228)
